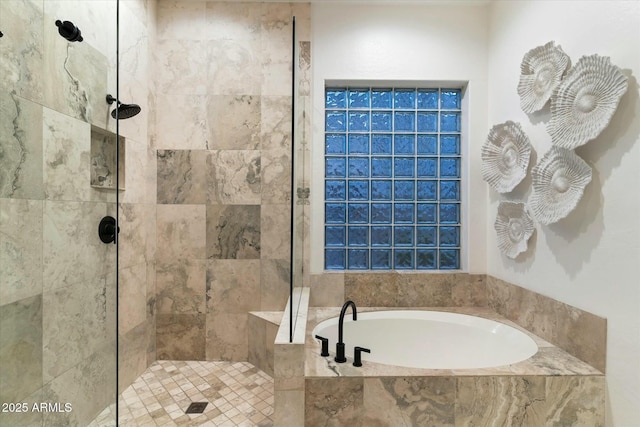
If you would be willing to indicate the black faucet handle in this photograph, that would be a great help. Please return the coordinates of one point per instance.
(325, 345)
(357, 357)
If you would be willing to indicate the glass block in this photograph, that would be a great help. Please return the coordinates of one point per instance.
(335, 213)
(450, 145)
(403, 259)
(335, 143)
(449, 236)
(428, 99)
(380, 144)
(427, 122)
(381, 98)
(426, 236)
(427, 167)
(405, 98)
(358, 236)
(336, 121)
(380, 236)
(403, 236)
(450, 99)
(335, 167)
(358, 259)
(381, 213)
(404, 144)
(358, 190)
(449, 122)
(358, 122)
(450, 190)
(334, 259)
(403, 167)
(380, 259)
(336, 98)
(334, 236)
(427, 144)
(381, 167)
(358, 144)
(403, 190)
(380, 190)
(449, 167)
(404, 122)
(426, 259)
(403, 213)
(335, 190)
(449, 213)
(358, 98)
(381, 122)
(427, 213)
(358, 213)
(427, 190)
(358, 167)
(449, 259)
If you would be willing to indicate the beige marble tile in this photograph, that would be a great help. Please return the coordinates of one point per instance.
(181, 232)
(180, 336)
(132, 239)
(234, 177)
(20, 249)
(22, 57)
(234, 122)
(233, 285)
(275, 223)
(181, 20)
(132, 297)
(276, 177)
(469, 290)
(22, 419)
(304, 67)
(182, 177)
(151, 229)
(235, 67)
(575, 401)
(374, 290)
(137, 165)
(76, 323)
(132, 355)
(180, 286)
(327, 290)
(233, 21)
(73, 252)
(256, 343)
(21, 136)
(288, 368)
(182, 124)
(274, 284)
(424, 290)
(275, 127)
(233, 232)
(289, 408)
(276, 48)
(226, 336)
(180, 65)
(323, 407)
(20, 349)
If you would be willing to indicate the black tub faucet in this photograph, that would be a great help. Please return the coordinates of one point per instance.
(340, 358)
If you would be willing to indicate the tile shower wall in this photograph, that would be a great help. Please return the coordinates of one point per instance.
(57, 280)
(223, 171)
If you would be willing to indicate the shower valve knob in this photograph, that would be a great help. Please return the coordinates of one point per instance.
(107, 229)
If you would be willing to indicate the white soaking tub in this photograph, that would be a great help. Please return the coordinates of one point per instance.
(429, 339)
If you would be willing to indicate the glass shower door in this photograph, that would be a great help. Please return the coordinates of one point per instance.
(57, 278)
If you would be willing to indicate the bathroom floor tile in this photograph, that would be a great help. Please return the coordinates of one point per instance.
(238, 393)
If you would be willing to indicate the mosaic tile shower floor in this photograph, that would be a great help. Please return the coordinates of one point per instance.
(239, 394)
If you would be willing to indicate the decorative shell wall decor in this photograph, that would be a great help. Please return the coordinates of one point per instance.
(541, 70)
(559, 180)
(585, 101)
(505, 156)
(514, 227)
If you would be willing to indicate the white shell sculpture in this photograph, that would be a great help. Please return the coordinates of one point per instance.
(505, 156)
(585, 101)
(514, 227)
(559, 180)
(541, 70)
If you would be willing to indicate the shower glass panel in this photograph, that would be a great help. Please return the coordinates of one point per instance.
(57, 278)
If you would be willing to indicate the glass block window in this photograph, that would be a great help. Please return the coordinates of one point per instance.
(392, 179)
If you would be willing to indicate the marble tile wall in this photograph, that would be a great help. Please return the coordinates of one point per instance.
(57, 280)
(223, 150)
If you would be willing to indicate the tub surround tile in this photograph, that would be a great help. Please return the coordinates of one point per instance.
(275, 223)
(469, 291)
(233, 232)
(234, 177)
(181, 232)
(180, 336)
(575, 401)
(233, 285)
(182, 177)
(288, 371)
(327, 290)
(321, 404)
(578, 332)
(234, 122)
(422, 290)
(180, 286)
(21, 136)
(20, 348)
(20, 249)
(371, 290)
(289, 408)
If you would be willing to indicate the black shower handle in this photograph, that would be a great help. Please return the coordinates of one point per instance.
(107, 229)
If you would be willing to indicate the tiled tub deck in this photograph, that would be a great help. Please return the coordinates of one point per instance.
(552, 388)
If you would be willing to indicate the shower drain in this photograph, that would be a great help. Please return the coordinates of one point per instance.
(196, 408)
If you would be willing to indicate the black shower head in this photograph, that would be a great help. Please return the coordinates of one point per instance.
(123, 111)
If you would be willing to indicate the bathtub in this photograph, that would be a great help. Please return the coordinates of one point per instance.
(429, 339)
